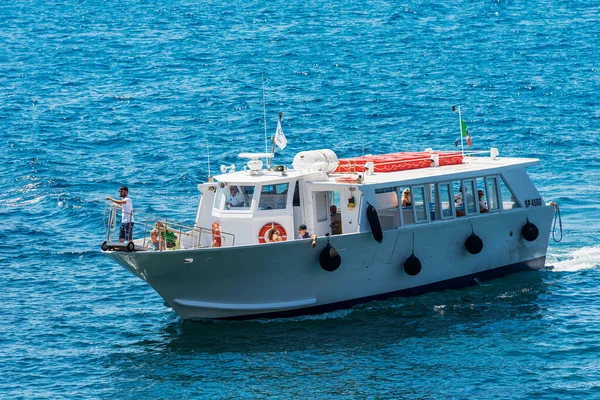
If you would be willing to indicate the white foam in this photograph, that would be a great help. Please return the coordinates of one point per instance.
(576, 260)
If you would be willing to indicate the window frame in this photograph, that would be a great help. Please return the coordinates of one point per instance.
(450, 200)
(275, 185)
(414, 204)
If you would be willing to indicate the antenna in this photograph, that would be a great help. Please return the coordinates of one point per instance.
(265, 113)
(210, 179)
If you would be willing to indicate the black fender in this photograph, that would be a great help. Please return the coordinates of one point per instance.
(373, 219)
(530, 232)
(474, 244)
(412, 265)
(330, 258)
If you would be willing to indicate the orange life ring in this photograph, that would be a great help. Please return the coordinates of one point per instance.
(267, 227)
(216, 234)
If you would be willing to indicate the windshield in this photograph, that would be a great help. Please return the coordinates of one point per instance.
(273, 197)
(235, 197)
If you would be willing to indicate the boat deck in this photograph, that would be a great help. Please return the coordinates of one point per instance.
(473, 165)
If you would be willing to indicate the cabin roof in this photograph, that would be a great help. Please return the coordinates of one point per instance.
(471, 166)
(267, 177)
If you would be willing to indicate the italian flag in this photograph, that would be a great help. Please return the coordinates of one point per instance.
(465, 132)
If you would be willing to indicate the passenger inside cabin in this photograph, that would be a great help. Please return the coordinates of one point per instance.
(482, 206)
(458, 199)
(406, 199)
(274, 236)
(336, 221)
(459, 204)
(235, 198)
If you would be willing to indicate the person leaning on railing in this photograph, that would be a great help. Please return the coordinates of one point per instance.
(125, 233)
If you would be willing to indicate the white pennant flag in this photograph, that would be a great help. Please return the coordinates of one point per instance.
(280, 139)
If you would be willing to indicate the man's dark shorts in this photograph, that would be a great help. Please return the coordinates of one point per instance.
(126, 230)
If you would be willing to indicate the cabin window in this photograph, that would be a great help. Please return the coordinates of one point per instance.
(236, 197)
(491, 198)
(273, 197)
(509, 200)
(445, 200)
(470, 196)
(296, 201)
(431, 196)
(481, 200)
(386, 198)
(387, 207)
(419, 203)
(464, 200)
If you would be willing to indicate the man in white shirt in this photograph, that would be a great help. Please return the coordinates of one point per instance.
(235, 198)
(125, 233)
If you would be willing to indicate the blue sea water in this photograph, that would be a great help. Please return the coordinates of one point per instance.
(97, 94)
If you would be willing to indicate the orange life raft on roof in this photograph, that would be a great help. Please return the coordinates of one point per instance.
(398, 161)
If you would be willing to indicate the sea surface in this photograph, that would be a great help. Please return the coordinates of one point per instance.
(98, 94)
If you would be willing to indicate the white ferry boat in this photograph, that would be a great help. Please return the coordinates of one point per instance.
(226, 264)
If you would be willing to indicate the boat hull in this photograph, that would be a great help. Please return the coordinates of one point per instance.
(286, 279)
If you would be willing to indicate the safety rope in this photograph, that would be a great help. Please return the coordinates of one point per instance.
(556, 217)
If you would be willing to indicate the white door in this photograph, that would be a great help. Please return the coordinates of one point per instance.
(321, 213)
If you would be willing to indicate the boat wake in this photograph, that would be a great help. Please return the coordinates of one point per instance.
(576, 260)
(337, 314)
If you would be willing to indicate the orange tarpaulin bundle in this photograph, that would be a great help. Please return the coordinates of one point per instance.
(398, 161)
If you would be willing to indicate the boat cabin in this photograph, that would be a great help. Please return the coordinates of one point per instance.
(241, 207)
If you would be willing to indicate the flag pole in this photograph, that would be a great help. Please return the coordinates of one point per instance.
(462, 146)
(265, 114)
(273, 143)
(210, 179)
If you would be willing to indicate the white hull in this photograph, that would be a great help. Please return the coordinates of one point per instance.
(286, 279)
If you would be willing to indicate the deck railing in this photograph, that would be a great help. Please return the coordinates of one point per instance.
(170, 235)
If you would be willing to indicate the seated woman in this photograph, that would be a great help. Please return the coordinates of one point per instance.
(274, 236)
(406, 199)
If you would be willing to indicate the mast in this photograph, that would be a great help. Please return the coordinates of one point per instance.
(265, 115)
(210, 179)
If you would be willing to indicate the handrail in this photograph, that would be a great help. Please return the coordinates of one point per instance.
(184, 236)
